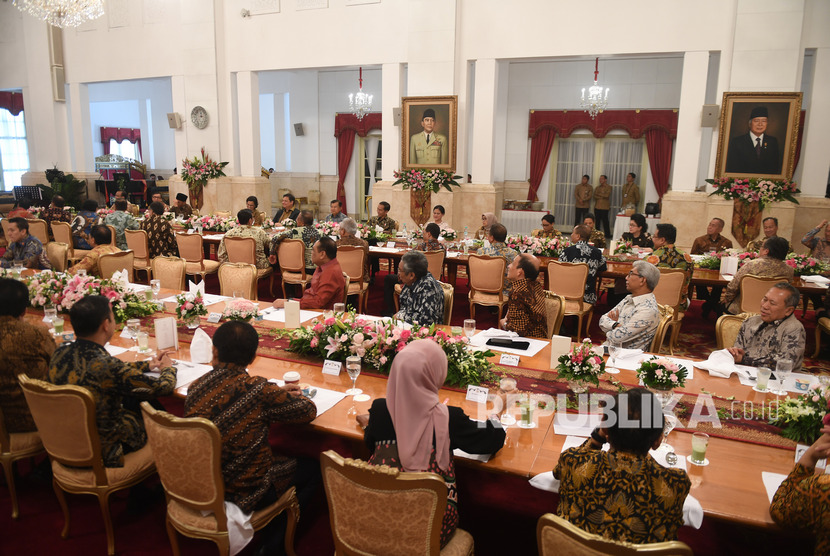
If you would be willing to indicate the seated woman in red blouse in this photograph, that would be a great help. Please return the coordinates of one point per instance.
(412, 430)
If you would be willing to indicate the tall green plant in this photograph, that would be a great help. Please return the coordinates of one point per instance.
(67, 186)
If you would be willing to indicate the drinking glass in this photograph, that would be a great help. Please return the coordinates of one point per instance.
(148, 294)
(133, 326)
(613, 351)
(17, 271)
(700, 441)
(50, 314)
(339, 307)
(353, 368)
(156, 285)
(57, 322)
(238, 294)
(469, 327)
(782, 370)
(668, 426)
(143, 342)
(762, 378)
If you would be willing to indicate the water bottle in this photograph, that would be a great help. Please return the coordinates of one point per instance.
(466, 235)
(404, 230)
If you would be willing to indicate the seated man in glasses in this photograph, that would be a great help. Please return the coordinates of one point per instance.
(633, 322)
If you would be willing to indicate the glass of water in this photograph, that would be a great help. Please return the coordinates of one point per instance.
(339, 307)
(156, 285)
(133, 326)
(782, 370)
(613, 351)
(353, 368)
(49, 315)
(469, 327)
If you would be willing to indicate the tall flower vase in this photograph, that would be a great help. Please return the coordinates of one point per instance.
(420, 205)
(664, 395)
(578, 386)
(746, 221)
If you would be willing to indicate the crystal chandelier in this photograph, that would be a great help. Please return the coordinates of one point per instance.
(596, 102)
(62, 13)
(360, 103)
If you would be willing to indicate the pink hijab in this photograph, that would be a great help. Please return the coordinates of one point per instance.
(418, 372)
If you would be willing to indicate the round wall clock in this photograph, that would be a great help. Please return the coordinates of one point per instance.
(199, 117)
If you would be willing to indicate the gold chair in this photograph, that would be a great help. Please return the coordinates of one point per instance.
(238, 277)
(381, 510)
(63, 233)
(16, 446)
(4, 223)
(568, 280)
(752, 289)
(556, 535)
(823, 324)
(348, 283)
(313, 203)
(449, 297)
(486, 280)
(65, 419)
(191, 249)
(188, 454)
(291, 259)
(555, 310)
(171, 271)
(39, 229)
(112, 234)
(58, 255)
(666, 318)
(138, 243)
(352, 261)
(435, 264)
(727, 328)
(243, 250)
(222, 213)
(669, 291)
(109, 263)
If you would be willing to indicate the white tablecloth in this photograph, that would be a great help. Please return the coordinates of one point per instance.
(621, 225)
(522, 222)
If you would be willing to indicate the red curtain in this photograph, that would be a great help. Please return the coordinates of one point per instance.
(13, 102)
(540, 147)
(635, 122)
(658, 144)
(120, 134)
(345, 146)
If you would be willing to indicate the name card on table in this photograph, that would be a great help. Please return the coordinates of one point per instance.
(390, 244)
(799, 451)
(292, 314)
(332, 367)
(509, 360)
(729, 265)
(214, 317)
(191, 231)
(559, 345)
(167, 336)
(477, 394)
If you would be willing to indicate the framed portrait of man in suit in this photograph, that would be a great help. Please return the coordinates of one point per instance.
(758, 135)
(428, 136)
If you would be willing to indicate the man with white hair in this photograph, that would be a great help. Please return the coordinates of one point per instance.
(633, 322)
(348, 236)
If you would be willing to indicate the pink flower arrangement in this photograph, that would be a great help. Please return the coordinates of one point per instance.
(581, 364)
(758, 190)
(806, 266)
(662, 373)
(189, 306)
(429, 180)
(539, 246)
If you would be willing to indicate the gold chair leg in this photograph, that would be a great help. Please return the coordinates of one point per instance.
(62, 501)
(579, 327)
(818, 340)
(293, 518)
(272, 285)
(8, 471)
(104, 502)
(172, 534)
(472, 310)
(675, 333)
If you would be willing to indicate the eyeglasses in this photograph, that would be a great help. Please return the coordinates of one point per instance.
(631, 273)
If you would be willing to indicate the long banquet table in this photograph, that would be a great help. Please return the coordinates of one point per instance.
(730, 488)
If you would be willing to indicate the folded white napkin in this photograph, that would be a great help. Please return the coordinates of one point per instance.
(820, 280)
(721, 364)
(240, 530)
(120, 277)
(201, 348)
(626, 353)
(196, 288)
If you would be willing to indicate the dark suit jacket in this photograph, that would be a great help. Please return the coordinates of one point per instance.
(742, 158)
(279, 215)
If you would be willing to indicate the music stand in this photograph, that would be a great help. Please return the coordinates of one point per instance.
(31, 192)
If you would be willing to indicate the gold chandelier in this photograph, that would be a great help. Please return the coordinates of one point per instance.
(62, 13)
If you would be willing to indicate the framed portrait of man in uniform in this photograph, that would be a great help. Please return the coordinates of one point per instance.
(758, 135)
(428, 137)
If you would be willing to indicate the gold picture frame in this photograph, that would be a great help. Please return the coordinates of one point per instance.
(772, 155)
(440, 151)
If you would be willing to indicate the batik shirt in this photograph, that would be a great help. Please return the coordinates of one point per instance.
(765, 343)
(757, 244)
(341, 216)
(55, 214)
(243, 407)
(160, 238)
(431, 245)
(526, 314)
(765, 266)
(81, 240)
(308, 234)
(551, 234)
(644, 240)
(422, 302)
(261, 239)
(389, 226)
(121, 221)
(819, 247)
(90, 260)
(117, 387)
(28, 252)
(620, 496)
(581, 252)
(802, 502)
(597, 238)
(669, 256)
(25, 348)
(704, 244)
(636, 324)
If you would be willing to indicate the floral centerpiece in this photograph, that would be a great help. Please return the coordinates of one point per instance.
(103, 212)
(662, 375)
(624, 248)
(378, 342)
(167, 215)
(36, 212)
(755, 190)
(197, 171)
(539, 246)
(328, 228)
(430, 180)
(213, 223)
(241, 309)
(806, 266)
(448, 234)
(189, 307)
(289, 223)
(709, 262)
(268, 224)
(372, 232)
(801, 417)
(581, 366)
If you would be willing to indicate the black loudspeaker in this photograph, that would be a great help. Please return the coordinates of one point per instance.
(298, 130)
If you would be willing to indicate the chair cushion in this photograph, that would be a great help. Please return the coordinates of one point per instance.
(142, 264)
(211, 266)
(295, 277)
(196, 521)
(22, 441)
(461, 544)
(355, 288)
(572, 307)
(136, 464)
(487, 298)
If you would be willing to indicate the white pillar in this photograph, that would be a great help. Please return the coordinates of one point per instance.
(692, 98)
(814, 162)
(82, 128)
(247, 114)
(392, 78)
(484, 120)
(180, 107)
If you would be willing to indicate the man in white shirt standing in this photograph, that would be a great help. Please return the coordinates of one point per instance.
(633, 322)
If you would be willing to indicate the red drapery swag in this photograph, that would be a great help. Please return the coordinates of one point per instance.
(658, 144)
(13, 102)
(346, 126)
(544, 124)
(120, 134)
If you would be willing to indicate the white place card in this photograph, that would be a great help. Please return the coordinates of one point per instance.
(390, 244)
(477, 394)
(332, 367)
(575, 424)
(292, 314)
(214, 317)
(167, 336)
(115, 350)
(125, 333)
(509, 360)
(559, 345)
(799, 451)
(191, 231)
